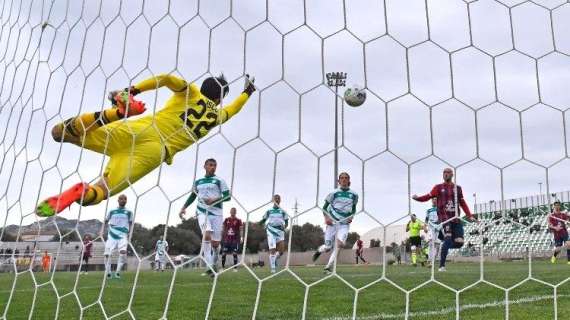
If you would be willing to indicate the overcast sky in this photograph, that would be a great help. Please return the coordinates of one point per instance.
(480, 95)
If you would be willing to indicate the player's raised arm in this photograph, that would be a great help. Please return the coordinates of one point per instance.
(174, 83)
(426, 197)
(235, 106)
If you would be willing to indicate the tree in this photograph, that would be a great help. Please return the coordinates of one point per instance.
(256, 238)
(141, 239)
(307, 237)
(374, 243)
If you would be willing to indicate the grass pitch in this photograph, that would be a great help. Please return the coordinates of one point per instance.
(282, 296)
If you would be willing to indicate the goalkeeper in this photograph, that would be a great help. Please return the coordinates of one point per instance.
(136, 147)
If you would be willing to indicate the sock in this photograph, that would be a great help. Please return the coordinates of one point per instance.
(556, 253)
(235, 259)
(78, 126)
(361, 258)
(215, 255)
(107, 264)
(356, 259)
(224, 260)
(272, 263)
(414, 257)
(122, 260)
(323, 248)
(207, 251)
(444, 250)
(332, 258)
(93, 195)
(568, 254)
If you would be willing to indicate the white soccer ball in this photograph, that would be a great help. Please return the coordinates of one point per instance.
(355, 96)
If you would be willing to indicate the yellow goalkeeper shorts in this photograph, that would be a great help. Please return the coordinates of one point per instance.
(134, 149)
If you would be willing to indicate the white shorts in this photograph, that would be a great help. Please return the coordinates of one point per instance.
(336, 231)
(112, 244)
(213, 224)
(159, 257)
(273, 240)
(434, 234)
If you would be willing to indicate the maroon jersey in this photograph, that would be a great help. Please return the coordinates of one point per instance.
(359, 244)
(559, 219)
(87, 248)
(445, 194)
(231, 227)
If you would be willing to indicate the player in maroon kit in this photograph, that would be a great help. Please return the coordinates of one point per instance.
(359, 251)
(231, 237)
(557, 224)
(87, 245)
(452, 232)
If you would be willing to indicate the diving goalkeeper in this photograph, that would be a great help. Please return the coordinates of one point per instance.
(136, 147)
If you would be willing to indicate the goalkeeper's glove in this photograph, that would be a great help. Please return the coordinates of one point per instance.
(112, 96)
(249, 87)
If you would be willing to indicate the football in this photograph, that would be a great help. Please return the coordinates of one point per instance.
(355, 96)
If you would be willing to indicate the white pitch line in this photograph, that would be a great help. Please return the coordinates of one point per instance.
(445, 311)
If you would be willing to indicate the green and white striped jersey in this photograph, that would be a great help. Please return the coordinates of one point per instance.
(431, 216)
(208, 188)
(275, 220)
(342, 205)
(119, 221)
(161, 247)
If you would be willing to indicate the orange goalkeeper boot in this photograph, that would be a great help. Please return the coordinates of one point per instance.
(127, 104)
(57, 204)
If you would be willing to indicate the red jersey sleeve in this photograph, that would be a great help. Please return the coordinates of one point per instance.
(462, 202)
(426, 197)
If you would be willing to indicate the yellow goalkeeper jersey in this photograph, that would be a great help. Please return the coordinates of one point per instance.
(187, 116)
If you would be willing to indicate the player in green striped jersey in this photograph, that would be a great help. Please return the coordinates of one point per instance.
(276, 221)
(211, 192)
(119, 222)
(339, 208)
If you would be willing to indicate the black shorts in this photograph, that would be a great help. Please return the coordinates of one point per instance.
(559, 242)
(416, 241)
(231, 247)
(456, 230)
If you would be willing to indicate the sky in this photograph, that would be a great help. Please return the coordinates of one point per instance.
(480, 86)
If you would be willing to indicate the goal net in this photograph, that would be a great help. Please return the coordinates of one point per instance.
(478, 86)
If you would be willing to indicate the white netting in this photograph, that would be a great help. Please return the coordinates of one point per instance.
(479, 86)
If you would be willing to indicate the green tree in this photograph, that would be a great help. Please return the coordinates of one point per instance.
(256, 238)
(307, 237)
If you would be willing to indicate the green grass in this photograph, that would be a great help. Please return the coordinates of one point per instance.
(282, 296)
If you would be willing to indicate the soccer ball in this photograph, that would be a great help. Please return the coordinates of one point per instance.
(355, 96)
